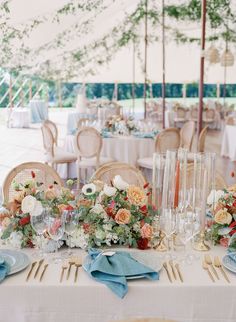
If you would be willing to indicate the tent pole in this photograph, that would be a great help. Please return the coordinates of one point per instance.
(133, 85)
(202, 62)
(163, 66)
(145, 59)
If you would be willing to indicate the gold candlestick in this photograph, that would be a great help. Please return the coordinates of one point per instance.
(201, 245)
(161, 247)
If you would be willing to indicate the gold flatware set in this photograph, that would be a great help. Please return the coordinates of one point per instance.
(38, 264)
(211, 268)
(73, 261)
(173, 271)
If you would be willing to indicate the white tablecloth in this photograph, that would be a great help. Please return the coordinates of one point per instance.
(228, 147)
(196, 300)
(124, 149)
(38, 110)
(73, 118)
(20, 117)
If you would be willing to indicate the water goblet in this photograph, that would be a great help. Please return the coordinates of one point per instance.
(39, 224)
(56, 229)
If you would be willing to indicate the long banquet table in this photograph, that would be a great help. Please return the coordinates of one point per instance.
(195, 300)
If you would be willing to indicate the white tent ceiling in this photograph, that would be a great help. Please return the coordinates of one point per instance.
(54, 41)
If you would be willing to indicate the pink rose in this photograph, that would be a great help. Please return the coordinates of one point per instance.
(146, 231)
(224, 242)
(122, 216)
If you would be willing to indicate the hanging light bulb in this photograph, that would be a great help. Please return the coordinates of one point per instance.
(212, 55)
(227, 58)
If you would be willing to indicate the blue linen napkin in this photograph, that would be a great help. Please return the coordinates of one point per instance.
(114, 270)
(4, 268)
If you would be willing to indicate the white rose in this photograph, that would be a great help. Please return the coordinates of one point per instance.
(119, 183)
(38, 209)
(109, 191)
(214, 196)
(97, 209)
(28, 204)
(15, 239)
(99, 234)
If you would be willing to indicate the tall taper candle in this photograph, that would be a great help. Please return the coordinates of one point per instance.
(177, 173)
(204, 200)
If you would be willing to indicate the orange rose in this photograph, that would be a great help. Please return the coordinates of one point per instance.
(62, 207)
(122, 216)
(50, 194)
(19, 196)
(146, 231)
(84, 203)
(136, 196)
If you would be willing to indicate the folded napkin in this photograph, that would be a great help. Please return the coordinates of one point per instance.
(4, 268)
(113, 269)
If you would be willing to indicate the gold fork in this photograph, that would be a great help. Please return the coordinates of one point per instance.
(30, 271)
(206, 267)
(71, 262)
(173, 269)
(64, 267)
(38, 268)
(218, 264)
(167, 271)
(209, 262)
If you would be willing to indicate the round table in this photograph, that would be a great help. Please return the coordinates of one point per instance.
(228, 146)
(38, 110)
(20, 117)
(126, 149)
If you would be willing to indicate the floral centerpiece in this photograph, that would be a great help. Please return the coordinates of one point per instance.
(107, 215)
(120, 125)
(117, 214)
(28, 200)
(223, 212)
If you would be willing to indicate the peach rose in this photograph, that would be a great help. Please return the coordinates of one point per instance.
(232, 188)
(218, 206)
(136, 196)
(19, 196)
(84, 203)
(146, 231)
(50, 194)
(62, 207)
(122, 216)
(223, 217)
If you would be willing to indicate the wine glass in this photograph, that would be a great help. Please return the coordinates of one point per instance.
(71, 220)
(56, 228)
(39, 224)
(168, 226)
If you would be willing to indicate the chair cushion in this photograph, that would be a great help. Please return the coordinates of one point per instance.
(61, 156)
(145, 163)
(91, 162)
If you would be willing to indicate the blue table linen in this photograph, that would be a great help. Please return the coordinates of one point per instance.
(4, 269)
(114, 270)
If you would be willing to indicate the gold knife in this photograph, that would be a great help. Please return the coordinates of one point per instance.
(64, 267)
(44, 269)
(179, 273)
(77, 265)
(167, 271)
(30, 272)
(38, 268)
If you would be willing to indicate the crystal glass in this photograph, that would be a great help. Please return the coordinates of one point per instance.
(168, 227)
(39, 224)
(159, 160)
(56, 229)
(71, 219)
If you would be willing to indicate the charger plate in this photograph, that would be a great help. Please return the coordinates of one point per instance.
(17, 260)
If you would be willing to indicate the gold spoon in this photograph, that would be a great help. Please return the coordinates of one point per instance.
(206, 267)
(209, 262)
(77, 265)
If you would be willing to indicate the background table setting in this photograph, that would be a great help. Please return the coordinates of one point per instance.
(38, 110)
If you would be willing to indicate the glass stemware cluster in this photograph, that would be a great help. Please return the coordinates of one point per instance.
(54, 224)
(181, 184)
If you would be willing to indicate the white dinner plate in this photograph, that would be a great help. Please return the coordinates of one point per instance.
(229, 263)
(16, 259)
